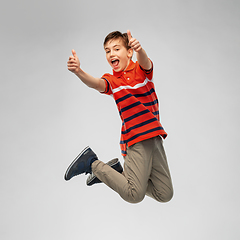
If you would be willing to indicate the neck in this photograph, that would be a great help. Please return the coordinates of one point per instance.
(127, 64)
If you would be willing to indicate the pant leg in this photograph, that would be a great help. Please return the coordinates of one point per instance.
(160, 183)
(131, 186)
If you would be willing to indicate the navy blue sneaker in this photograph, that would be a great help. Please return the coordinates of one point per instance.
(81, 164)
(115, 164)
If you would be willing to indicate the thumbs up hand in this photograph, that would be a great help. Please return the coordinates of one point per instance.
(73, 63)
(133, 42)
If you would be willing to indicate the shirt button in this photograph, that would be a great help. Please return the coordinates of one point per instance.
(124, 72)
(128, 78)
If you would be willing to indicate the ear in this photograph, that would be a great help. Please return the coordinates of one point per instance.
(130, 53)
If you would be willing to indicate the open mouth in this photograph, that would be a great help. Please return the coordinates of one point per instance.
(115, 63)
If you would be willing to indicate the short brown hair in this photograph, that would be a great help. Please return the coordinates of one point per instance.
(117, 35)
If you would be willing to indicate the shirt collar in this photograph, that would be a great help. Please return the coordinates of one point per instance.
(130, 67)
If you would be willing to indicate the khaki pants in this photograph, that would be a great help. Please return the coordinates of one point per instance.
(146, 172)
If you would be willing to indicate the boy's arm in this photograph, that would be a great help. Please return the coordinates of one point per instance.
(142, 57)
(92, 82)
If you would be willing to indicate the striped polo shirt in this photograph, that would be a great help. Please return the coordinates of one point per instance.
(134, 93)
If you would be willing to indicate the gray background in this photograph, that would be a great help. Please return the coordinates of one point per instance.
(48, 116)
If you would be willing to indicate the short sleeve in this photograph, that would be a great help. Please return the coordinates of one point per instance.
(108, 89)
(148, 73)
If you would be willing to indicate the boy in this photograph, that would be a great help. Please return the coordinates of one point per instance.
(146, 170)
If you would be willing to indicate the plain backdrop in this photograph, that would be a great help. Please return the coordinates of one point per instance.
(48, 116)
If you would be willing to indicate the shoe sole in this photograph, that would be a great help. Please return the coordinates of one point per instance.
(75, 160)
(110, 163)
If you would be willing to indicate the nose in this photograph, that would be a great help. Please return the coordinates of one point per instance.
(111, 53)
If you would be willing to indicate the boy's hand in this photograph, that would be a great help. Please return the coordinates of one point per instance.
(142, 57)
(73, 63)
(133, 42)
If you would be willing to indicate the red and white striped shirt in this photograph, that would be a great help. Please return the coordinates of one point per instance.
(134, 93)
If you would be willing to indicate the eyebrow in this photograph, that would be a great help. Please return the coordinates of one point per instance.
(113, 46)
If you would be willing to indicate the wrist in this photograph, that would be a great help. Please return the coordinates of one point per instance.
(79, 72)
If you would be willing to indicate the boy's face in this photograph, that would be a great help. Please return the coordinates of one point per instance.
(117, 55)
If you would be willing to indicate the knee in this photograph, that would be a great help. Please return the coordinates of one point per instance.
(165, 196)
(135, 197)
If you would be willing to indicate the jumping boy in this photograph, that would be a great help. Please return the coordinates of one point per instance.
(146, 170)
